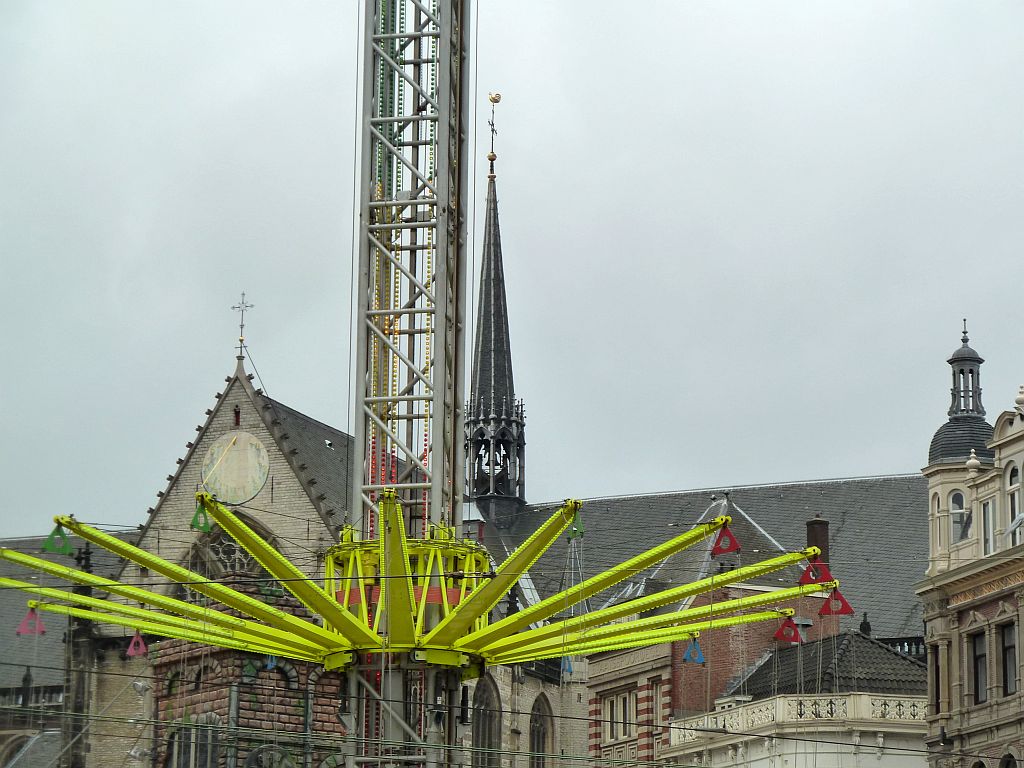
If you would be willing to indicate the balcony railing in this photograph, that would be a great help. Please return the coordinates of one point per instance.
(782, 710)
(912, 646)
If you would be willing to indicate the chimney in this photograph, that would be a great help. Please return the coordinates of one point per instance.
(817, 535)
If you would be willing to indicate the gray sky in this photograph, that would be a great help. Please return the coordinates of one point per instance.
(739, 237)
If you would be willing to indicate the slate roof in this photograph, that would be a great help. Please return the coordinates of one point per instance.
(847, 663)
(492, 390)
(324, 450)
(44, 653)
(953, 441)
(878, 537)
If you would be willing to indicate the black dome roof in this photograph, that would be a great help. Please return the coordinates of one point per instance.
(965, 353)
(953, 441)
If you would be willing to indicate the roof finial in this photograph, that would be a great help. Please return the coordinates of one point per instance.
(494, 98)
(240, 307)
(964, 339)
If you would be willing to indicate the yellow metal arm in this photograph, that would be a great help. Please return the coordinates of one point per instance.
(450, 586)
(652, 637)
(569, 631)
(484, 598)
(558, 602)
(396, 591)
(294, 580)
(165, 630)
(173, 623)
(639, 605)
(136, 594)
(229, 597)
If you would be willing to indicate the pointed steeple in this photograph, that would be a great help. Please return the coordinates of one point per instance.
(495, 441)
(492, 390)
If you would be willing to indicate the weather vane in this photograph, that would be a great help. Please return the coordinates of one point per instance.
(494, 98)
(240, 307)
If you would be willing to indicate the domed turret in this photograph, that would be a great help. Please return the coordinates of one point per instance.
(966, 428)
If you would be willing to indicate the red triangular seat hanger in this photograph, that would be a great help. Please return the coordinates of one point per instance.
(725, 543)
(816, 572)
(836, 605)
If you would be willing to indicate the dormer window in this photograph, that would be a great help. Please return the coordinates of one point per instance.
(960, 518)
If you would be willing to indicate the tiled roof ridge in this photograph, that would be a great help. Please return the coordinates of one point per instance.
(759, 527)
(736, 687)
(734, 488)
(890, 649)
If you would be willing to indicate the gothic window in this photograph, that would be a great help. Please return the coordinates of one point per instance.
(486, 725)
(541, 743)
(1008, 657)
(959, 517)
(215, 555)
(1013, 507)
(979, 667)
(195, 744)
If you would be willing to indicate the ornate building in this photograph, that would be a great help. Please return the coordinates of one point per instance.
(841, 700)
(974, 588)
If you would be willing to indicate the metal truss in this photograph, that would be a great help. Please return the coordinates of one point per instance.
(411, 277)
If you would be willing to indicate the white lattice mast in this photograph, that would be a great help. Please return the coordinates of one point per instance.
(411, 280)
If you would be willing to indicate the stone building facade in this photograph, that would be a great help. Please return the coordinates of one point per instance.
(184, 705)
(973, 592)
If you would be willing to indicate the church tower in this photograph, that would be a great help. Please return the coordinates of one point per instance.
(495, 437)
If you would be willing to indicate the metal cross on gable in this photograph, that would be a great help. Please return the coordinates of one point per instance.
(240, 307)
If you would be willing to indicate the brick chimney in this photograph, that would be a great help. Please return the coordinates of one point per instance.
(817, 535)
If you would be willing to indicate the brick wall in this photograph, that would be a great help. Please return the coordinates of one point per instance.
(731, 650)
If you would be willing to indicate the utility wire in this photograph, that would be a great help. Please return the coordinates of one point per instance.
(712, 731)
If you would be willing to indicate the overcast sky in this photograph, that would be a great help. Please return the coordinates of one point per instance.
(738, 237)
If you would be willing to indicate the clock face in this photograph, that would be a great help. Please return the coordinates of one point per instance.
(235, 468)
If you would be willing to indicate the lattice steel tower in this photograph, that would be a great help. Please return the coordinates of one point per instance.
(412, 273)
(409, 360)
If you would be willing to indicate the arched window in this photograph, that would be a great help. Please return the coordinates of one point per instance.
(1008, 761)
(486, 724)
(215, 555)
(541, 742)
(959, 517)
(270, 755)
(1016, 525)
(195, 744)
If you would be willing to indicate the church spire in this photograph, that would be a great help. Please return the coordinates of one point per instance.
(492, 389)
(494, 419)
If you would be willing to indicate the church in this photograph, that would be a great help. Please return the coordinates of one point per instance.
(172, 704)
